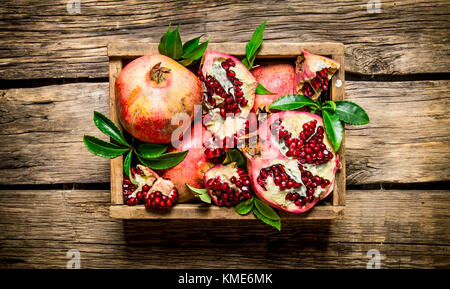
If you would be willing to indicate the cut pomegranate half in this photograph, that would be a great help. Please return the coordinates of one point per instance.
(228, 96)
(295, 164)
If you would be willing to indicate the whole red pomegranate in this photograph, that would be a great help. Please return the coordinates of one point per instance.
(149, 91)
(192, 169)
(276, 77)
(295, 164)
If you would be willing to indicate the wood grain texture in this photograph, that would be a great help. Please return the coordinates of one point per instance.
(116, 165)
(46, 41)
(407, 140)
(409, 228)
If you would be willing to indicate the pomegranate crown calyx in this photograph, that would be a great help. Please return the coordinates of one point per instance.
(158, 73)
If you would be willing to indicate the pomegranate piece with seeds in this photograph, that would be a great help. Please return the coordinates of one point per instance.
(228, 185)
(160, 200)
(148, 183)
(228, 96)
(313, 74)
(295, 165)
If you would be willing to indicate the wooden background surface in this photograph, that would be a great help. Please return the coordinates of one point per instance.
(54, 194)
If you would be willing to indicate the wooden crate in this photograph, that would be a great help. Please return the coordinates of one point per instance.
(120, 53)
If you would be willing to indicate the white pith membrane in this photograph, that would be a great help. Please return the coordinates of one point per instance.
(145, 176)
(293, 123)
(291, 168)
(148, 178)
(233, 124)
(224, 173)
(307, 67)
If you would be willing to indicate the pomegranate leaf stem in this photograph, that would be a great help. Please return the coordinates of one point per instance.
(170, 45)
(351, 113)
(197, 52)
(127, 167)
(252, 47)
(266, 210)
(164, 161)
(190, 45)
(151, 150)
(102, 148)
(234, 155)
(163, 40)
(292, 101)
(333, 128)
(202, 194)
(174, 47)
(260, 89)
(106, 126)
(245, 207)
(274, 223)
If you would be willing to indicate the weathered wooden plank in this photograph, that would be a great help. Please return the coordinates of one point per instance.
(409, 228)
(407, 140)
(45, 41)
(33, 255)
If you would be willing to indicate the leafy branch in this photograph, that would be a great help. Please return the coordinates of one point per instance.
(261, 210)
(333, 112)
(149, 154)
(170, 45)
(251, 50)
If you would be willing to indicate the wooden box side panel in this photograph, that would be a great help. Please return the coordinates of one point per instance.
(202, 212)
(338, 93)
(120, 51)
(115, 66)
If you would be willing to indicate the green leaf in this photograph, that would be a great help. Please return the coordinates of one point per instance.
(106, 126)
(292, 101)
(246, 63)
(190, 45)
(244, 207)
(102, 148)
(197, 52)
(202, 194)
(151, 150)
(351, 113)
(273, 223)
(254, 43)
(234, 155)
(164, 161)
(185, 62)
(260, 89)
(249, 201)
(266, 210)
(331, 104)
(127, 166)
(333, 128)
(174, 46)
(162, 42)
